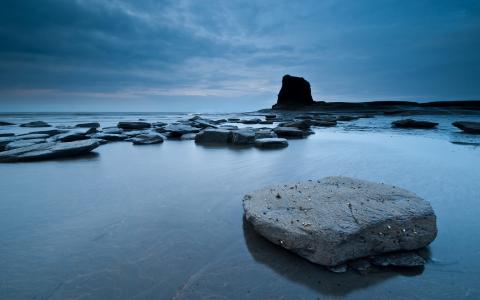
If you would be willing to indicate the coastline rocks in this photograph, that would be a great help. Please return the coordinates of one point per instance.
(468, 126)
(88, 125)
(295, 92)
(337, 219)
(271, 143)
(251, 121)
(289, 132)
(35, 124)
(49, 150)
(409, 123)
(324, 123)
(213, 136)
(111, 137)
(133, 125)
(243, 137)
(147, 139)
(265, 133)
(23, 143)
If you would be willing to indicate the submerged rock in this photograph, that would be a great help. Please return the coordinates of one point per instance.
(88, 125)
(468, 126)
(35, 124)
(49, 150)
(147, 139)
(409, 123)
(338, 219)
(214, 136)
(134, 125)
(290, 132)
(271, 143)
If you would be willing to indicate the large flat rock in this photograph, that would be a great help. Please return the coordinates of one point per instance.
(337, 219)
(49, 150)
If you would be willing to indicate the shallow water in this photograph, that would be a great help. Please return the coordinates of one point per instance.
(166, 221)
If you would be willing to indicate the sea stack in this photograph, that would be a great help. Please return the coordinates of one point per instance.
(295, 92)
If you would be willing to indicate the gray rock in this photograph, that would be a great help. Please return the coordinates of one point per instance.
(23, 143)
(49, 132)
(233, 120)
(468, 126)
(300, 124)
(289, 132)
(9, 139)
(71, 136)
(134, 133)
(229, 127)
(243, 137)
(134, 125)
(49, 150)
(88, 125)
(177, 130)
(409, 123)
(337, 219)
(271, 143)
(35, 124)
(214, 136)
(147, 139)
(400, 259)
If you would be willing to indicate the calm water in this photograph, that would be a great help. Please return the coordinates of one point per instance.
(166, 221)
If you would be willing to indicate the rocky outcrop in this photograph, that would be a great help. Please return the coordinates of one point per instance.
(214, 136)
(337, 219)
(295, 92)
(410, 123)
(468, 126)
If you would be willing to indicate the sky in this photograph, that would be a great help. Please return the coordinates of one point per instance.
(208, 56)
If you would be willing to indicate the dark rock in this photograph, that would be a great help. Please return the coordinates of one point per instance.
(50, 132)
(323, 123)
(271, 143)
(289, 132)
(229, 127)
(133, 125)
(409, 123)
(112, 130)
(177, 130)
(267, 122)
(88, 125)
(233, 120)
(4, 123)
(147, 139)
(49, 150)
(265, 133)
(243, 137)
(71, 136)
(159, 124)
(251, 121)
(214, 136)
(35, 124)
(295, 92)
(300, 124)
(347, 118)
(5, 134)
(270, 116)
(399, 259)
(337, 219)
(468, 126)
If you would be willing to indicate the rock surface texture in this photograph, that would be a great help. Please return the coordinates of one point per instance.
(409, 123)
(337, 219)
(295, 92)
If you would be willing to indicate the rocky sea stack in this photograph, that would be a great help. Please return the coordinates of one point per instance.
(295, 92)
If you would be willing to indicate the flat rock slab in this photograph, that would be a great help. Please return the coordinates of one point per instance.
(337, 219)
(148, 139)
(414, 124)
(290, 132)
(35, 124)
(468, 126)
(214, 136)
(49, 150)
(133, 125)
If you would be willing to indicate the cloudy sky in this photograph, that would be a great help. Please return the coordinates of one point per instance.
(194, 55)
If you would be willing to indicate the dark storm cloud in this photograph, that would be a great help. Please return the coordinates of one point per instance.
(349, 50)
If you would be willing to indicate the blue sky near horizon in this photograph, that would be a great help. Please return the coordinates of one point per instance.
(188, 55)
